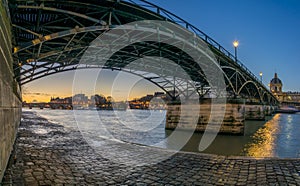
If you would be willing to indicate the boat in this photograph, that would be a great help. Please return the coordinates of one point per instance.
(287, 109)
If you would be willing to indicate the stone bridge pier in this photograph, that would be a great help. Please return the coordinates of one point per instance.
(234, 114)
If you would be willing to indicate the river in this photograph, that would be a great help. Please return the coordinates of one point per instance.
(279, 136)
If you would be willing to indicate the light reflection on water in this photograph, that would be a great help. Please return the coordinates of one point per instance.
(277, 137)
(288, 137)
(263, 140)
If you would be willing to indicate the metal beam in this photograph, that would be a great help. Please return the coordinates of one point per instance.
(63, 12)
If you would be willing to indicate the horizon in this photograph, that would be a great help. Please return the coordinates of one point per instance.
(38, 93)
(89, 97)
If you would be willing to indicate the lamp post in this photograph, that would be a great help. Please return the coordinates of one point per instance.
(261, 74)
(235, 44)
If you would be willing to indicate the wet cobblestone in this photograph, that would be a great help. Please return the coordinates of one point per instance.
(62, 157)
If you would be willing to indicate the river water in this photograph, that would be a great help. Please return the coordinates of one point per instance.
(279, 136)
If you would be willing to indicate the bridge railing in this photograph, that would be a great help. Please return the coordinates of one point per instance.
(176, 19)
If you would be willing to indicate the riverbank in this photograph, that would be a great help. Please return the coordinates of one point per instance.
(49, 154)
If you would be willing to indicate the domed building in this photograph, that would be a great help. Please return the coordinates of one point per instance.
(276, 85)
(286, 98)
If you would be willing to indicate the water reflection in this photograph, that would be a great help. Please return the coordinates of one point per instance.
(229, 145)
(263, 141)
(287, 143)
(277, 137)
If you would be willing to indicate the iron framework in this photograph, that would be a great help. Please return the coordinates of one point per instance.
(50, 36)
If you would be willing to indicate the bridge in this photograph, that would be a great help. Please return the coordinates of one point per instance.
(42, 38)
(51, 37)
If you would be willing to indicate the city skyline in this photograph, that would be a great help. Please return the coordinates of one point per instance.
(90, 97)
(156, 101)
(267, 31)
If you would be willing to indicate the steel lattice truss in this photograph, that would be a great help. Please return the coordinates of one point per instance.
(50, 36)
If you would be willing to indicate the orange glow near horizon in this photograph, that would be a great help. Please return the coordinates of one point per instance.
(61, 85)
(34, 98)
(31, 98)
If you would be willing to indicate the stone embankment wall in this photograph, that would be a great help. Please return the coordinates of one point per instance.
(10, 95)
(231, 117)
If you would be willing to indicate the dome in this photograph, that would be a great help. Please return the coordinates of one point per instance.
(276, 80)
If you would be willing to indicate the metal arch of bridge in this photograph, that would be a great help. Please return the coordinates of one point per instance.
(50, 36)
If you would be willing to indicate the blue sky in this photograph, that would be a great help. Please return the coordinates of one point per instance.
(268, 32)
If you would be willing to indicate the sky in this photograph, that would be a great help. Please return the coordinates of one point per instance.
(268, 32)
(121, 86)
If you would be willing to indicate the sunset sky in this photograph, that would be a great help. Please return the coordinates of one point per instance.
(268, 32)
(63, 85)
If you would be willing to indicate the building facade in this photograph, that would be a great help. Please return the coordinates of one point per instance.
(285, 98)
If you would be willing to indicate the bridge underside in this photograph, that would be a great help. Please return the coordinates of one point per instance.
(52, 36)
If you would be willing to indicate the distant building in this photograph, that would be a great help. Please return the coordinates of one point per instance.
(287, 98)
(159, 94)
(80, 100)
(98, 100)
(60, 103)
(276, 85)
(146, 98)
(156, 101)
(58, 100)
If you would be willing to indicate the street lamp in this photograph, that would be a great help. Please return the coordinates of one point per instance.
(235, 44)
(260, 74)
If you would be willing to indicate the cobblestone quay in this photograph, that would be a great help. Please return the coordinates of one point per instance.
(49, 154)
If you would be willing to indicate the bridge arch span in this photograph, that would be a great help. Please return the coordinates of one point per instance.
(265, 97)
(50, 36)
(251, 89)
(234, 77)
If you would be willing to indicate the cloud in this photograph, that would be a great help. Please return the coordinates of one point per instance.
(38, 94)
